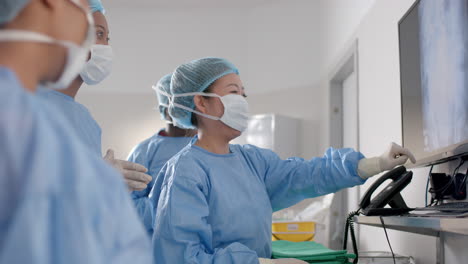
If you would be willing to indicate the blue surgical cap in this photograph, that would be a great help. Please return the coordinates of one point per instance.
(163, 85)
(195, 76)
(9, 9)
(96, 6)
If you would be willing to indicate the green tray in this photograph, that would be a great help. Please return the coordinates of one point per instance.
(309, 251)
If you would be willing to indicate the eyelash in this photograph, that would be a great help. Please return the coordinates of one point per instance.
(235, 92)
(100, 34)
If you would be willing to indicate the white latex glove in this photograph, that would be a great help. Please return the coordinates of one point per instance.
(393, 157)
(281, 261)
(134, 174)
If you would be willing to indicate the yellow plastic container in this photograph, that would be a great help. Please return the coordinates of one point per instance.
(295, 231)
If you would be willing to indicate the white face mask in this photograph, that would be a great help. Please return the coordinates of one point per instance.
(160, 94)
(236, 109)
(99, 65)
(76, 55)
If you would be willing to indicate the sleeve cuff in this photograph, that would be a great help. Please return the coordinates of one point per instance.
(265, 261)
(369, 167)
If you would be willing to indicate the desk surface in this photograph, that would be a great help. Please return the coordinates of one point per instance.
(431, 226)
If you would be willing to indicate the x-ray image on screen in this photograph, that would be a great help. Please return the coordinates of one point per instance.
(443, 48)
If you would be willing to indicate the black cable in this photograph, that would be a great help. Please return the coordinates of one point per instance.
(457, 169)
(427, 183)
(444, 188)
(455, 172)
(350, 226)
(388, 240)
(464, 180)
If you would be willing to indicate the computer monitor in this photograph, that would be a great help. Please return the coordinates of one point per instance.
(433, 38)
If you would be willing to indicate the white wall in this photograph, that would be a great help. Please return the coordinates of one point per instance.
(339, 19)
(284, 46)
(338, 22)
(150, 42)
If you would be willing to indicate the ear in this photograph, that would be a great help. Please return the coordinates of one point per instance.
(168, 116)
(200, 103)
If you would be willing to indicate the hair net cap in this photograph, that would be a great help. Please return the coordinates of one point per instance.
(96, 6)
(163, 85)
(9, 9)
(195, 76)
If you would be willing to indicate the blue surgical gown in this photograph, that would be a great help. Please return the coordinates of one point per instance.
(153, 153)
(86, 128)
(218, 208)
(58, 202)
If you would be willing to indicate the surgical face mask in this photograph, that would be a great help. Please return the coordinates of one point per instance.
(76, 55)
(236, 109)
(162, 95)
(99, 65)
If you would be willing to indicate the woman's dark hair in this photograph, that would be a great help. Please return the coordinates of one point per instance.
(194, 117)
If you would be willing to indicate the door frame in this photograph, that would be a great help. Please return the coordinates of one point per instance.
(348, 64)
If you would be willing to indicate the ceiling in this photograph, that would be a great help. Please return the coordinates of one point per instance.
(186, 3)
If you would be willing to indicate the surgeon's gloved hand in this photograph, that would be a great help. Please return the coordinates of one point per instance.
(393, 157)
(281, 261)
(134, 174)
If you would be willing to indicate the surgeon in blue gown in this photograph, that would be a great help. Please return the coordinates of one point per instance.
(217, 199)
(59, 203)
(155, 151)
(96, 69)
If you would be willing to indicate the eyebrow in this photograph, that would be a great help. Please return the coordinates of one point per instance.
(232, 84)
(236, 85)
(103, 28)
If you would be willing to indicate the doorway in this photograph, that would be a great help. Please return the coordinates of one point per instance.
(344, 133)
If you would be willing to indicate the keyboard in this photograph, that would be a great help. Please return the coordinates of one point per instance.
(456, 206)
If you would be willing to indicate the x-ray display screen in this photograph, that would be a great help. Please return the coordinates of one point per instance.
(434, 77)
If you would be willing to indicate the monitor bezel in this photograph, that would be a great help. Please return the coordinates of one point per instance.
(443, 155)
